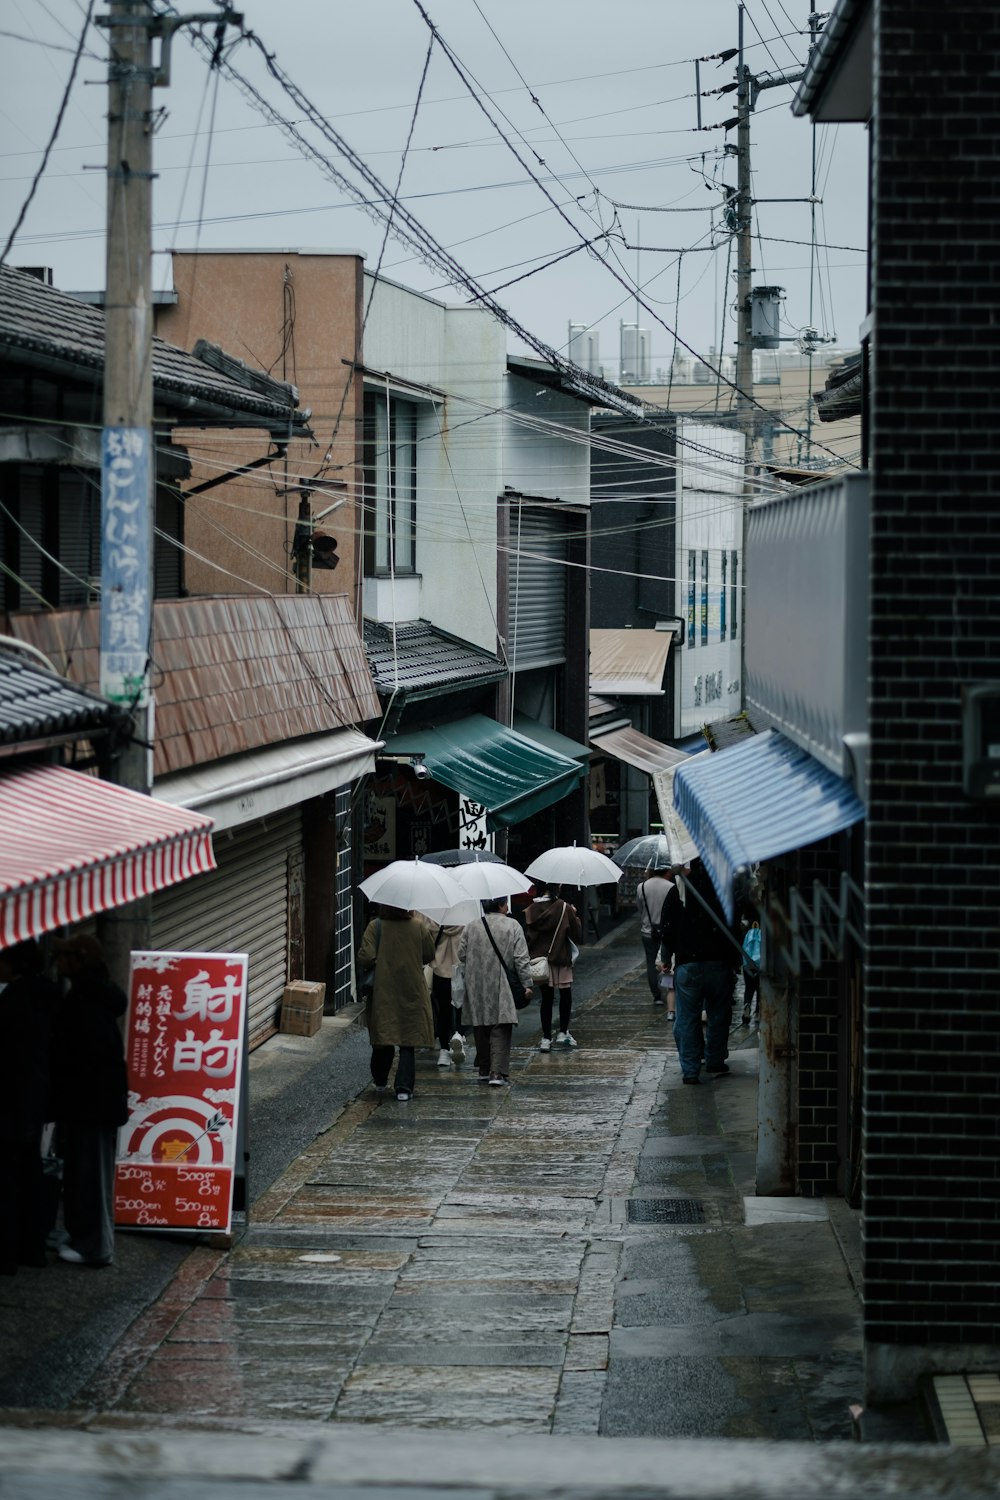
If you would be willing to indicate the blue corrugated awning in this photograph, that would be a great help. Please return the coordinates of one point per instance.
(758, 799)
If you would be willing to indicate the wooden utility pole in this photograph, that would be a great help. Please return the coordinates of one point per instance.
(744, 246)
(128, 453)
(128, 465)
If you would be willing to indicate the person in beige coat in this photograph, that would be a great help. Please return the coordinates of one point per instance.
(447, 1020)
(398, 943)
(489, 1005)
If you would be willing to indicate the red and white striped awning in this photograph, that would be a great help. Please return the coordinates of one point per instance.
(71, 846)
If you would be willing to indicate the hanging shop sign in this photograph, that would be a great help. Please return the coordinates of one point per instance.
(185, 1045)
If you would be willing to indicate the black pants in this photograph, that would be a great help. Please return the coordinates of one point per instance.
(22, 1214)
(651, 948)
(565, 1008)
(446, 1022)
(89, 1189)
(406, 1068)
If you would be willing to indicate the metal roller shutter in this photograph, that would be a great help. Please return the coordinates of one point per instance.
(537, 583)
(241, 907)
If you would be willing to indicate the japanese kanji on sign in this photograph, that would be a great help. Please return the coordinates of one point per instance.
(184, 1048)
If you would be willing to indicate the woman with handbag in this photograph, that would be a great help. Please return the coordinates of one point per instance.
(397, 945)
(488, 950)
(553, 930)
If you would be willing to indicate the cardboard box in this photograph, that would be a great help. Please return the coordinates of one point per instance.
(302, 1007)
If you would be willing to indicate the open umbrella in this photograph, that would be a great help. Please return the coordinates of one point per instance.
(488, 881)
(573, 865)
(413, 885)
(651, 851)
(451, 857)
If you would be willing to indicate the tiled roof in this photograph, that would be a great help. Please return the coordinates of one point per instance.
(232, 674)
(39, 324)
(36, 704)
(424, 661)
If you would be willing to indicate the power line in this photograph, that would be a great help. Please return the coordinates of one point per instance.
(52, 138)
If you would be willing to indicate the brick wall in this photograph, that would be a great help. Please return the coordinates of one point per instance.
(822, 1018)
(932, 1041)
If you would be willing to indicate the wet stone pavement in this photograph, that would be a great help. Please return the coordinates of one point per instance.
(470, 1260)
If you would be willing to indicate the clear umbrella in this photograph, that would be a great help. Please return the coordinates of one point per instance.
(651, 851)
(573, 865)
(413, 885)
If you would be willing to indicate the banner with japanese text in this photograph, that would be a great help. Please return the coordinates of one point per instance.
(176, 1158)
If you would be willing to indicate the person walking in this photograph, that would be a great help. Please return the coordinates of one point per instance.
(696, 940)
(397, 944)
(447, 1022)
(89, 1096)
(550, 925)
(650, 894)
(483, 949)
(26, 1000)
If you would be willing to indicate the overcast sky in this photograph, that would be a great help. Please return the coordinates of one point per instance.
(597, 99)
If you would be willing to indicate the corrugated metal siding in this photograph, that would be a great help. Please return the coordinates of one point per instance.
(79, 537)
(241, 907)
(537, 587)
(344, 941)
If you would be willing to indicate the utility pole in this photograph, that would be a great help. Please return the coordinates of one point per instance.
(744, 268)
(128, 458)
(128, 453)
(747, 89)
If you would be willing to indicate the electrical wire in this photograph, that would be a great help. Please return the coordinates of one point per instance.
(52, 138)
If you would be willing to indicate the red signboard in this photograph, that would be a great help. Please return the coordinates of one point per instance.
(184, 1047)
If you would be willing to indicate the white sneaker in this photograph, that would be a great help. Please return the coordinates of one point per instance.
(545, 1045)
(565, 1040)
(444, 1059)
(458, 1048)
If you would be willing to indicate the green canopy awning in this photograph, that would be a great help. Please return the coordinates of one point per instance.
(505, 772)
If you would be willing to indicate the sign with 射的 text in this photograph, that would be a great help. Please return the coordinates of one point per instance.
(184, 1045)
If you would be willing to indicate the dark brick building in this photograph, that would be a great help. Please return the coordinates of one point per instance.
(924, 77)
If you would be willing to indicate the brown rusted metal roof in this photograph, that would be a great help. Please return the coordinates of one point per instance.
(231, 674)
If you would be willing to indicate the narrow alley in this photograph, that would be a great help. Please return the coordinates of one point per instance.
(569, 1255)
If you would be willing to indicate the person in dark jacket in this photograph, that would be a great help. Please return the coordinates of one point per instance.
(89, 1096)
(697, 941)
(26, 998)
(550, 925)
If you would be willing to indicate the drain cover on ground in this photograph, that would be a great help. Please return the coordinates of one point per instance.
(664, 1211)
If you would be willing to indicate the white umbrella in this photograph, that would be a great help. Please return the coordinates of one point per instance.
(571, 865)
(413, 886)
(489, 881)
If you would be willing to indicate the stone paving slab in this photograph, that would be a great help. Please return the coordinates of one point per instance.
(425, 1396)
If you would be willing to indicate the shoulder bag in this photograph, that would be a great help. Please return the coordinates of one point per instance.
(541, 973)
(518, 993)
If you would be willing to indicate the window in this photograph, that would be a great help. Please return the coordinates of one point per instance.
(734, 598)
(704, 598)
(390, 488)
(692, 580)
(722, 600)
